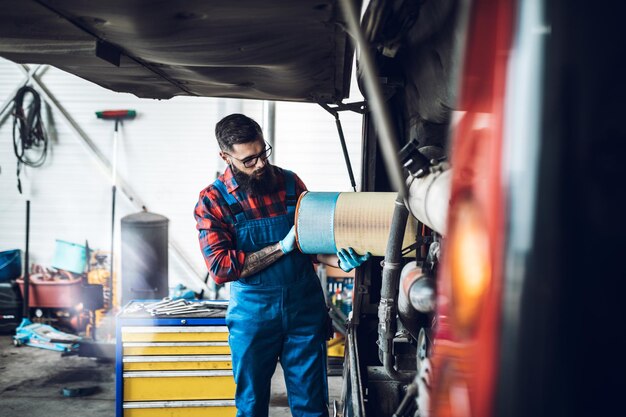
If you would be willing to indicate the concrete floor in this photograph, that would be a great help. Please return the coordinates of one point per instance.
(32, 380)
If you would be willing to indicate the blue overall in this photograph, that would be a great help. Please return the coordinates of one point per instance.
(276, 314)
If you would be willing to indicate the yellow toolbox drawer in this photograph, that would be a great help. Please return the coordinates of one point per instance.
(212, 408)
(178, 385)
(176, 363)
(174, 334)
(175, 348)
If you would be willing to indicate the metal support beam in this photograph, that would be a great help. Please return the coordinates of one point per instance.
(269, 125)
(387, 136)
(103, 163)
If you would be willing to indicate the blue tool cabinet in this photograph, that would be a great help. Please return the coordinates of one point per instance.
(172, 366)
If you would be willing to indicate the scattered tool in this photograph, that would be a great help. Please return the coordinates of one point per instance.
(183, 307)
(44, 336)
(180, 307)
(118, 116)
(36, 334)
(80, 391)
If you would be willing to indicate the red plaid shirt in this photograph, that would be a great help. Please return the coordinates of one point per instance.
(215, 222)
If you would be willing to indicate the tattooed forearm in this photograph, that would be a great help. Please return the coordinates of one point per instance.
(259, 260)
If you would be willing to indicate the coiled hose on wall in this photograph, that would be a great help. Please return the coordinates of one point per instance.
(30, 141)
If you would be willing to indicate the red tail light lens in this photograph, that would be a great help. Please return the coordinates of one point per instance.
(470, 263)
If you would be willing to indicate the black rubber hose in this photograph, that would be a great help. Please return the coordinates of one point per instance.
(387, 309)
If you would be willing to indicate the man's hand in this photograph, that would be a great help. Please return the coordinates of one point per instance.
(289, 242)
(349, 259)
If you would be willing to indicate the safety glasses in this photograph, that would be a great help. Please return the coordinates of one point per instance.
(251, 161)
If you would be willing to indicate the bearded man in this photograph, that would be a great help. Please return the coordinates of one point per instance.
(277, 310)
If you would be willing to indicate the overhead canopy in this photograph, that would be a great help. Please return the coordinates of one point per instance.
(293, 50)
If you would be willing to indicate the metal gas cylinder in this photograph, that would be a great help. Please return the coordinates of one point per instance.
(144, 256)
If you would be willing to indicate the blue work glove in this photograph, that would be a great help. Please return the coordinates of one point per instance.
(349, 259)
(289, 242)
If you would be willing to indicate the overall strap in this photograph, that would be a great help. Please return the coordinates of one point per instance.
(291, 199)
(233, 204)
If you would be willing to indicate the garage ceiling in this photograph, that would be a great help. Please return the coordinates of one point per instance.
(272, 50)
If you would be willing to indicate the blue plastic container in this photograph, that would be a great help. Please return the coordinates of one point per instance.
(70, 257)
(10, 265)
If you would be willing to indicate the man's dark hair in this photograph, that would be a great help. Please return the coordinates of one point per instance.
(236, 128)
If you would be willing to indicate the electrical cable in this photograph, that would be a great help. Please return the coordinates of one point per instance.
(28, 132)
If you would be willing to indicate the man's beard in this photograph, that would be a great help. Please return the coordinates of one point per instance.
(262, 181)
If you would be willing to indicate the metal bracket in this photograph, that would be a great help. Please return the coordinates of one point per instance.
(386, 312)
(357, 107)
(108, 52)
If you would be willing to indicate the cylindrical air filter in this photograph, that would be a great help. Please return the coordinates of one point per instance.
(328, 221)
(144, 256)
